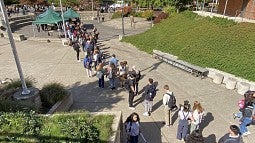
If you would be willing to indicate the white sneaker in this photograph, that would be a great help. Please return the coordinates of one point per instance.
(146, 114)
(248, 132)
(78, 61)
(132, 108)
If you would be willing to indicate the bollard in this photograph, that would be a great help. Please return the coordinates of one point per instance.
(218, 78)
(242, 87)
(230, 83)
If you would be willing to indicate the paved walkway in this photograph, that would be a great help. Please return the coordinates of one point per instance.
(48, 62)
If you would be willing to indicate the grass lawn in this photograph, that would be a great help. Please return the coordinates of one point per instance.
(207, 42)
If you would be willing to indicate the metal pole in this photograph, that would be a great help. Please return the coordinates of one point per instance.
(92, 9)
(62, 15)
(212, 6)
(225, 8)
(122, 19)
(25, 91)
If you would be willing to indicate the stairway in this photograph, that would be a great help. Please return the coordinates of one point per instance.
(20, 21)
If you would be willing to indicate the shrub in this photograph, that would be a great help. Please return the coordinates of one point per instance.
(116, 15)
(15, 106)
(170, 10)
(16, 83)
(148, 14)
(160, 17)
(52, 93)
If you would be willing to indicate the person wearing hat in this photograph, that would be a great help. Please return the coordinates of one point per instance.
(233, 136)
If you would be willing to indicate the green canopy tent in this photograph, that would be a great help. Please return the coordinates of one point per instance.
(71, 14)
(49, 11)
(48, 18)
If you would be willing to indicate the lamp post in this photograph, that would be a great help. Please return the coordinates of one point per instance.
(62, 15)
(25, 91)
(122, 18)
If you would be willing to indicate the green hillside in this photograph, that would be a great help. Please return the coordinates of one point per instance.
(207, 42)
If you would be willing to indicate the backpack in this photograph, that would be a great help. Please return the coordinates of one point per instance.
(248, 111)
(172, 101)
(241, 103)
(151, 93)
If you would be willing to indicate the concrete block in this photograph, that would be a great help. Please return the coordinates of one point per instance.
(218, 78)
(242, 87)
(230, 83)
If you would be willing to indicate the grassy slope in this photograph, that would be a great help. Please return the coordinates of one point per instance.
(215, 43)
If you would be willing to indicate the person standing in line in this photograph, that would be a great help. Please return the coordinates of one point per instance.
(113, 60)
(233, 136)
(183, 126)
(132, 125)
(87, 65)
(167, 111)
(137, 75)
(100, 75)
(195, 137)
(197, 113)
(112, 72)
(131, 91)
(76, 47)
(150, 93)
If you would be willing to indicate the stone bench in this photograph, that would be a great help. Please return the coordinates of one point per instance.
(17, 37)
(173, 60)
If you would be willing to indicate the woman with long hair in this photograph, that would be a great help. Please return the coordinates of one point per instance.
(132, 126)
(197, 114)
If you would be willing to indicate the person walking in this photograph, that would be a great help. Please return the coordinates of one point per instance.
(233, 136)
(132, 127)
(168, 99)
(150, 93)
(197, 113)
(87, 65)
(184, 114)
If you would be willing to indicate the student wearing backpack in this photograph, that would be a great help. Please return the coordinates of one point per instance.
(233, 136)
(132, 127)
(183, 125)
(150, 93)
(169, 102)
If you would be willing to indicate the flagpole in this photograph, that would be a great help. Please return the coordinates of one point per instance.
(25, 91)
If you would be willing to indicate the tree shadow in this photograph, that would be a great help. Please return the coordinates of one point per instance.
(152, 67)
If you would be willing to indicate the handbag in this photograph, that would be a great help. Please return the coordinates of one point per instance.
(99, 74)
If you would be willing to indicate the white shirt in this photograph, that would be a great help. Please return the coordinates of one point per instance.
(181, 114)
(197, 117)
(166, 98)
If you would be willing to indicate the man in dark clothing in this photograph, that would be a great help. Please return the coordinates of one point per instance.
(233, 136)
(131, 90)
(76, 47)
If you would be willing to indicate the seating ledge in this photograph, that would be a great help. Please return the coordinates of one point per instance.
(173, 60)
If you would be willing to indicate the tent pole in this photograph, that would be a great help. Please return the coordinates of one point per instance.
(62, 15)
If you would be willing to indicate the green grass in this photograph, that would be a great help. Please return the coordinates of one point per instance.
(207, 42)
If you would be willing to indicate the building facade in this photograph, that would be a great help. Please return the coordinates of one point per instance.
(239, 8)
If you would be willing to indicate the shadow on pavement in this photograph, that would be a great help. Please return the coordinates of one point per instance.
(152, 67)
(207, 119)
(149, 130)
(210, 139)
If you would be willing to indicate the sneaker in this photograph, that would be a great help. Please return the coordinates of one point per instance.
(244, 134)
(132, 108)
(248, 132)
(146, 114)
(182, 140)
(78, 61)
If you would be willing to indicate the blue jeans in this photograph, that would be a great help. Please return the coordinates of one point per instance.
(243, 126)
(182, 129)
(112, 82)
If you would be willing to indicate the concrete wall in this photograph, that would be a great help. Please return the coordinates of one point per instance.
(62, 106)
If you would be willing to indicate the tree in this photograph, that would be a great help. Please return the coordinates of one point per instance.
(9, 2)
(32, 2)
